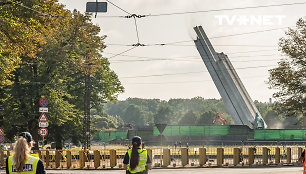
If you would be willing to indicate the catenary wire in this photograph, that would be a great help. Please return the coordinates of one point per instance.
(227, 9)
(194, 72)
(119, 7)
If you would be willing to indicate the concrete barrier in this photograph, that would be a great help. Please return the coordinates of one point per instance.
(237, 153)
(220, 157)
(277, 155)
(184, 156)
(202, 156)
(68, 154)
(113, 158)
(251, 151)
(166, 157)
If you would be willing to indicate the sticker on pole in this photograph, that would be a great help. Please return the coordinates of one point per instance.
(43, 102)
(1, 139)
(43, 118)
(43, 132)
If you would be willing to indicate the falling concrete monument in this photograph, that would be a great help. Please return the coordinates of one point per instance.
(237, 100)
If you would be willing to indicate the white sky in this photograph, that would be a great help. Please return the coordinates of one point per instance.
(191, 78)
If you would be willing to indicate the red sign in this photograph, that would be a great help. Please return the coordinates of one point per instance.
(43, 132)
(1, 139)
(43, 102)
(43, 118)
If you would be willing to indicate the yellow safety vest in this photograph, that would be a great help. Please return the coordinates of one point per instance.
(142, 161)
(30, 165)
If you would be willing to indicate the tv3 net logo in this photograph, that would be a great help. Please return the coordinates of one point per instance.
(260, 20)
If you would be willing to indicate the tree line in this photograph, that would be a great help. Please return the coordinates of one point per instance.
(135, 113)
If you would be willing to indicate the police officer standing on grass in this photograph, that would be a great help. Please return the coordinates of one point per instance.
(22, 161)
(137, 160)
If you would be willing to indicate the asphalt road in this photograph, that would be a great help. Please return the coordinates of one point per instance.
(281, 170)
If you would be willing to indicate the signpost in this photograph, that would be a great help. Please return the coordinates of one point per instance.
(43, 132)
(43, 121)
(1, 132)
(43, 102)
(42, 109)
(1, 139)
(1, 136)
(43, 118)
(43, 124)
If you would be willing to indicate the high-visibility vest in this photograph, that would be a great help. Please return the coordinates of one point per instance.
(304, 165)
(30, 165)
(142, 161)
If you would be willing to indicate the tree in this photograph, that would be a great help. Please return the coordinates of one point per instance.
(206, 118)
(22, 31)
(289, 77)
(163, 115)
(58, 72)
(190, 118)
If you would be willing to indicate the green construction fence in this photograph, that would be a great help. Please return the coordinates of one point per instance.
(279, 134)
(173, 130)
(107, 136)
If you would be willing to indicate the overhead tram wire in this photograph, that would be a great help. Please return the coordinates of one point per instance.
(123, 52)
(185, 82)
(204, 11)
(191, 56)
(119, 7)
(195, 59)
(225, 9)
(215, 37)
(194, 72)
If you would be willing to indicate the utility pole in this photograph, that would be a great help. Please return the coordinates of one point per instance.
(86, 123)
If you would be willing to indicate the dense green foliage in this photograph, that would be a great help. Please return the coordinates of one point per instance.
(52, 62)
(289, 78)
(196, 111)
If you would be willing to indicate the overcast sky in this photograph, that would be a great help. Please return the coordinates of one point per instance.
(177, 70)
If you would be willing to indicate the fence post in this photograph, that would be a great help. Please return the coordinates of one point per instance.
(96, 159)
(251, 155)
(288, 155)
(202, 156)
(236, 156)
(57, 158)
(113, 158)
(277, 155)
(220, 156)
(47, 158)
(2, 158)
(166, 157)
(184, 155)
(82, 159)
(68, 158)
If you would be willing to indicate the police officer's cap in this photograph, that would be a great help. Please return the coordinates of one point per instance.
(26, 135)
(136, 140)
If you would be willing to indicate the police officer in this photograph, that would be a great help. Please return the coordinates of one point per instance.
(22, 161)
(302, 159)
(137, 160)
